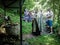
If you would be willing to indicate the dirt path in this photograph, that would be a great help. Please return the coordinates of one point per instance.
(27, 36)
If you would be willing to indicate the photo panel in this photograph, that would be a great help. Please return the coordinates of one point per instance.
(40, 22)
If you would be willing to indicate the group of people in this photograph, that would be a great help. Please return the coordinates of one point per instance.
(39, 15)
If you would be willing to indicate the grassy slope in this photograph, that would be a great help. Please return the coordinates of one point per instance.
(40, 40)
(27, 27)
(44, 40)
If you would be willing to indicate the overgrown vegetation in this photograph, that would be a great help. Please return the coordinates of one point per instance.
(43, 4)
(44, 40)
(14, 17)
(27, 27)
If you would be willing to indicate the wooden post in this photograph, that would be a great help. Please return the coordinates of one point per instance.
(20, 4)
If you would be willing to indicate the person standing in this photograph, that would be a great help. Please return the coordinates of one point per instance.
(49, 21)
(40, 13)
(26, 12)
(30, 16)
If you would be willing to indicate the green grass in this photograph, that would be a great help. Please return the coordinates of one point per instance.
(14, 18)
(26, 27)
(39, 40)
(44, 40)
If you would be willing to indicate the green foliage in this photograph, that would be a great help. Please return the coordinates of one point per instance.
(44, 40)
(14, 17)
(28, 4)
(53, 4)
(26, 27)
(1, 11)
(1, 20)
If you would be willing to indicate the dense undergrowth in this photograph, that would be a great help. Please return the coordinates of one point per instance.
(14, 17)
(27, 29)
